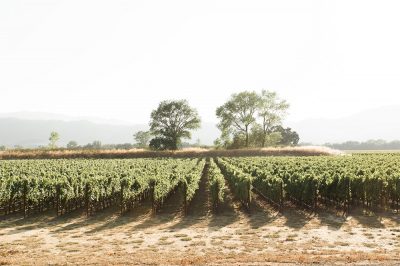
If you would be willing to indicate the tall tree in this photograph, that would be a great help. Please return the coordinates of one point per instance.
(271, 110)
(54, 137)
(238, 114)
(172, 121)
(142, 138)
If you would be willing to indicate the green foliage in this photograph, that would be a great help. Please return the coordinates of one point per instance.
(54, 137)
(70, 184)
(240, 182)
(371, 180)
(95, 145)
(72, 144)
(238, 114)
(377, 145)
(217, 184)
(260, 139)
(238, 141)
(172, 121)
(142, 138)
(162, 143)
(192, 180)
(273, 139)
(247, 119)
(288, 137)
(271, 110)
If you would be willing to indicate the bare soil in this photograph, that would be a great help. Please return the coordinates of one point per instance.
(201, 237)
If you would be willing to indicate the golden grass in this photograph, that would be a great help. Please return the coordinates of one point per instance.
(184, 153)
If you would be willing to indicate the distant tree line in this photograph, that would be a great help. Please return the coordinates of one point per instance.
(247, 119)
(378, 144)
(97, 145)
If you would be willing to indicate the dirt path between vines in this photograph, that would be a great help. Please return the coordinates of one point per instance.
(231, 237)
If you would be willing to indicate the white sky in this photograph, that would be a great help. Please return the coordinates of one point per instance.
(118, 59)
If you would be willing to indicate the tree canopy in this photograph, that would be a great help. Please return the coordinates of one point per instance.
(142, 138)
(289, 137)
(172, 121)
(54, 137)
(237, 114)
(252, 119)
(271, 110)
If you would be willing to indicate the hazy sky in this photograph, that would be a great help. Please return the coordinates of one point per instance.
(118, 59)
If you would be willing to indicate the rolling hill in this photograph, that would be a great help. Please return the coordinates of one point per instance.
(31, 129)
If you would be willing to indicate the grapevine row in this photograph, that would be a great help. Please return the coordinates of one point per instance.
(68, 185)
(217, 184)
(239, 181)
(371, 181)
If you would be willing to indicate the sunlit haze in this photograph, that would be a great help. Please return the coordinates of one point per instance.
(119, 59)
(207, 132)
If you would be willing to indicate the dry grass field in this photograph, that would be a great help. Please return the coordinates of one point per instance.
(140, 153)
(231, 237)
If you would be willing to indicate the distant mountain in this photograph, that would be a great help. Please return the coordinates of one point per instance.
(33, 129)
(378, 123)
(25, 115)
(32, 133)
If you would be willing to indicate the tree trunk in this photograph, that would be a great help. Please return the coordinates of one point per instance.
(265, 131)
(247, 137)
(175, 144)
(263, 140)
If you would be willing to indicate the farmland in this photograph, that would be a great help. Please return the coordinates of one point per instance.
(334, 208)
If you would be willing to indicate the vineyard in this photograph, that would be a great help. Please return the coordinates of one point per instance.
(343, 182)
(66, 185)
(370, 181)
